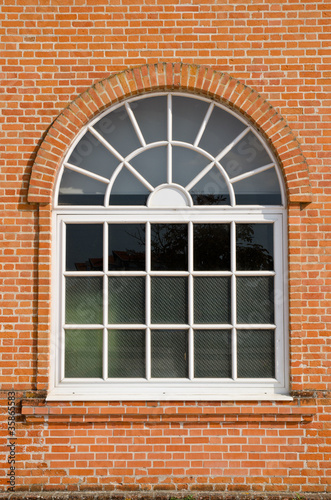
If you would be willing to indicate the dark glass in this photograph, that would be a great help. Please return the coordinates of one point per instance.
(255, 299)
(169, 299)
(152, 165)
(151, 115)
(91, 155)
(212, 247)
(126, 353)
(126, 247)
(169, 354)
(259, 189)
(169, 247)
(211, 189)
(78, 189)
(212, 299)
(222, 128)
(256, 353)
(255, 247)
(83, 300)
(187, 117)
(117, 129)
(186, 165)
(84, 247)
(126, 299)
(128, 190)
(83, 353)
(248, 154)
(212, 354)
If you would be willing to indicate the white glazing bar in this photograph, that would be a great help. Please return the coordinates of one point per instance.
(256, 326)
(126, 326)
(105, 143)
(148, 346)
(212, 326)
(87, 173)
(169, 163)
(111, 183)
(135, 124)
(63, 302)
(83, 273)
(169, 326)
(190, 302)
(199, 176)
(105, 301)
(126, 273)
(251, 173)
(231, 144)
(91, 326)
(169, 273)
(204, 124)
(139, 176)
(233, 301)
(255, 273)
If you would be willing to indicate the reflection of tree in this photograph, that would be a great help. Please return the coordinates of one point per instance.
(251, 256)
(210, 199)
(169, 246)
(212, 247)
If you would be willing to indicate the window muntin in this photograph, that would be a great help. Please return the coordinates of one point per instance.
(159, 301)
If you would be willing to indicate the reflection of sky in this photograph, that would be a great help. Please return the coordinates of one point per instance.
(84, 242)
(122, 237)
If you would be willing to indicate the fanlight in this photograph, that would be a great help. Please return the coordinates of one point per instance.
(169, 150)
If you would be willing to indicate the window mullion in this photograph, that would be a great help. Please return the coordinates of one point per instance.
(190, 303)
(63, 298)
(169, 134)
(148, 352)
(105, 301)
(233, 301)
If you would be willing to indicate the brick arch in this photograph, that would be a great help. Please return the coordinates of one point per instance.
(170, 76)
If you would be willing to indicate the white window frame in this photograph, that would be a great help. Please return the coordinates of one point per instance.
(172, 389)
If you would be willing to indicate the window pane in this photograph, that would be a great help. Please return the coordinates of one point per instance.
(169, 247)
(260, 189)
(212, 353)
(256, 353)
(255, 299)
(186, 164)
(91, 155)
(248, 154)
(152, 165)
(222, 128)
(211, 190)
(84, 247)
(169, 299)
(128, 190)
(84, 300)
(126, 247)
(78, 189)
(169, 353)
(212, 247)
(83, 353)
(126, 353)
(151, 115)
(255, 247)
(126, 299)
(212, 299)
(187, 115)
(117, 129)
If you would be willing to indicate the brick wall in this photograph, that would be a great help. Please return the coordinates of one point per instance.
(274, 52)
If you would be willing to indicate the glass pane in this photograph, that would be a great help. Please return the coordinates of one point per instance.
(126, 299)
(211, 190)
(260, 189)
(255, 247)
(248, 154)
(126, 353)
(169, 353)
(169, 299)
(256, 353)
(78, 189)
(84, 300)
(127, 190)
(126, 247)
(212, 299)
(151, 115)
(169, 247)
(117, 129)
(84, 247)
(212, 247)
(91, 155)
(255, 299)
(83, 353)
(212, 353)
(186, 164)
(152, 165)
(222, 128)
(187, 116)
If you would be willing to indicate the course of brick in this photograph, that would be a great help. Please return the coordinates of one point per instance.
(62, 63)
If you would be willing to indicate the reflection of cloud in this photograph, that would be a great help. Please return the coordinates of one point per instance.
(74, 190)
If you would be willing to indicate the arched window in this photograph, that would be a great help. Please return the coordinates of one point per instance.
(170, 255)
